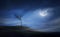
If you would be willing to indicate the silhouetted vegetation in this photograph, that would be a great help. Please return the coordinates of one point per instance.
(17, 31)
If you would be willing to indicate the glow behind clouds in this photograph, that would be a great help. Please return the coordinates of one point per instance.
(35, 21)
(43, 13)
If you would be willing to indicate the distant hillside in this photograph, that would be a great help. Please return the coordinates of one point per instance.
(19, 30)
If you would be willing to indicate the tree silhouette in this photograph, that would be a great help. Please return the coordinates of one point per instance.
(19, 17)
(21, 27)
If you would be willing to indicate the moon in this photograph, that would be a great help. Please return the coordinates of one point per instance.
(43, 13)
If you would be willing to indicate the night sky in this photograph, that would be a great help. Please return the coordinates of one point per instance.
(30, 11)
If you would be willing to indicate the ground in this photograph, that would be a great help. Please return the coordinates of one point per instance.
(13, 31)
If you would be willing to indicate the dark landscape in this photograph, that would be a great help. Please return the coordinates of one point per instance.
(13, 31)
(29, 18)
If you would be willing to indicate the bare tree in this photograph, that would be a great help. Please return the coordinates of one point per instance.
(20, 18)
(21, 27)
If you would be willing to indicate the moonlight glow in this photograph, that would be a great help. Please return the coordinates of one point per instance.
(43, 13)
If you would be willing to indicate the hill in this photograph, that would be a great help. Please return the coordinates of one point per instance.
(13, 31)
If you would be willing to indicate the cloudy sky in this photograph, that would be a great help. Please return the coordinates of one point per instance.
(31, 10)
